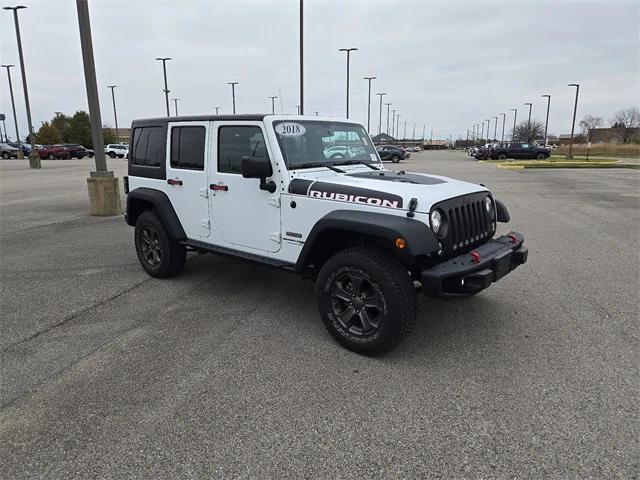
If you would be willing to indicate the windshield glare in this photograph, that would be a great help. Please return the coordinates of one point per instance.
(314, 143)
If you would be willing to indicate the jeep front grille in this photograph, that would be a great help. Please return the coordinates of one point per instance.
(467, 222)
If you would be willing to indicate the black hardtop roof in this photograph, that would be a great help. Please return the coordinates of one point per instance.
(199, 118)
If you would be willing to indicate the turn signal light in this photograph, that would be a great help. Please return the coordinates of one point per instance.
(400, 243)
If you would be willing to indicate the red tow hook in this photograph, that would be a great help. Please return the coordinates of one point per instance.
(512, 237)
(475, 257)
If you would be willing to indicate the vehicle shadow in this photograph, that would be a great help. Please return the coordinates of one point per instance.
(290, 302)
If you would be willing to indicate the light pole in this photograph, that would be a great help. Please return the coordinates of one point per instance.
(495, 129)
(504, 117)
(382, 94)
(404, 136)
(529, 139)
(233, 94)
(482, 133)
(166, 89)
(488, 120)
(546, 122)
(273, 103)
(388, 107)
(298, 109)
(104, 192)
(13, 105)
(431, 139)
(573, 124)
(115, 114)
(348, 50)
(301, 56)
(473, 133)
(4, 126)
(424, 127)
(515, 115)
(34, 159)
(369, 79)
(413, 138)
(175, 105)
(316, 113)
(217, 110)
(393, 121)
(398, 124)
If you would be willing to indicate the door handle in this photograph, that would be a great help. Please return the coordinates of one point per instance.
(219, 187)
(174, 181)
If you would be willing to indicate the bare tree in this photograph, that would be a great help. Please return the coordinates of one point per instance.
(589, 122)
(526, 132)
(626, 122)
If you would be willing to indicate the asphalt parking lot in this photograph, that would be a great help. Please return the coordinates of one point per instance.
(227, 371)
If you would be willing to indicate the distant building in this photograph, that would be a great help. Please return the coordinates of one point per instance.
(383, 138)
(611, 135)
(123, 134)
(565, 138)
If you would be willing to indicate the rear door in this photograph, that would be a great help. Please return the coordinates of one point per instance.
(187, 154)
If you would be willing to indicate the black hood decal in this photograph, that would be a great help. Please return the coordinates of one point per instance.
(402, 177)
(344, 193)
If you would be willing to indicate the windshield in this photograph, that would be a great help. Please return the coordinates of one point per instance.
(316, 143)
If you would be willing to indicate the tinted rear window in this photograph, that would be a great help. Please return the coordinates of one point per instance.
(187, 147)
(148, 146)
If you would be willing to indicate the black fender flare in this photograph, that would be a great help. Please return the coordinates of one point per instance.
(419, 238)
(143, 196)
(502, 212)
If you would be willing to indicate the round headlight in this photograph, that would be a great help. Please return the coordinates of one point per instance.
(488, 203)
(436, 221)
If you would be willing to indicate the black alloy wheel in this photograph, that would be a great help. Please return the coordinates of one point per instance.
(150, 243)
(395, 159)
(357, 303)
(541, 156)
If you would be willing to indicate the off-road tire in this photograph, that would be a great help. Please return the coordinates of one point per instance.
(395, 159)
(502, 156)
(381, 274)
(171, 255)
(541, 156)
(112, 154)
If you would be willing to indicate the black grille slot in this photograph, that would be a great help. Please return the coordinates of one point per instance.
(468, 222)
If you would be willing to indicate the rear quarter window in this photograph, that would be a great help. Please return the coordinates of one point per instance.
(148, 146)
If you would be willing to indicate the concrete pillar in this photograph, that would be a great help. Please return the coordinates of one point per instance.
(104, 195)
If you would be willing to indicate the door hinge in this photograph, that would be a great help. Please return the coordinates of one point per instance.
(275, 201)
(275, 237)
(204, 192)
(206, 223)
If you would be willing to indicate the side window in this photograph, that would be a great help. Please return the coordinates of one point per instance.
(237, 142)
(187, 147)
(525, 145)
(148, 146)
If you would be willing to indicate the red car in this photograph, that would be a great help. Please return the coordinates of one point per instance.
(53, 152)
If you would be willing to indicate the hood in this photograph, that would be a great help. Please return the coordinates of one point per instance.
(384, 188)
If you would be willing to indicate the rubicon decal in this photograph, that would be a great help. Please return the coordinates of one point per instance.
(345, 193)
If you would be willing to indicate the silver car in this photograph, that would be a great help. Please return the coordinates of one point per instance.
(7, 151)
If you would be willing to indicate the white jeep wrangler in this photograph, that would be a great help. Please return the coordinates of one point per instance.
(269, 188)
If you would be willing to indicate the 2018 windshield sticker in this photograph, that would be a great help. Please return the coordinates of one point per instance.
(290, 129)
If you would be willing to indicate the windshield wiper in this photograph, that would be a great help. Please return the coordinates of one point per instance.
(360, 162)
(319, 164)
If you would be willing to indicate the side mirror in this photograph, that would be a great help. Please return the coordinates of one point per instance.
(256, 167)
(259, 167)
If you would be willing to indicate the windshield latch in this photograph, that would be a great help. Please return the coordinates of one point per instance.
(413, 204)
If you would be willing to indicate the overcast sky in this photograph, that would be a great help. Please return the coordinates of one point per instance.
(449, 64)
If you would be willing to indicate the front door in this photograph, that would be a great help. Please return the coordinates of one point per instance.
(242, 213)
(188, 189)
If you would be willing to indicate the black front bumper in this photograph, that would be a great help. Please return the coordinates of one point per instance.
(474, 271)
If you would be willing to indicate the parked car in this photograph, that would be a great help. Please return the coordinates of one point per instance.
(25, 147)
(116, 150)
(389, 152)
(53, 152)
(8, 151)
(77, 151)
(417, 149)
(343, 151)
(364, 234)
(517, 150)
